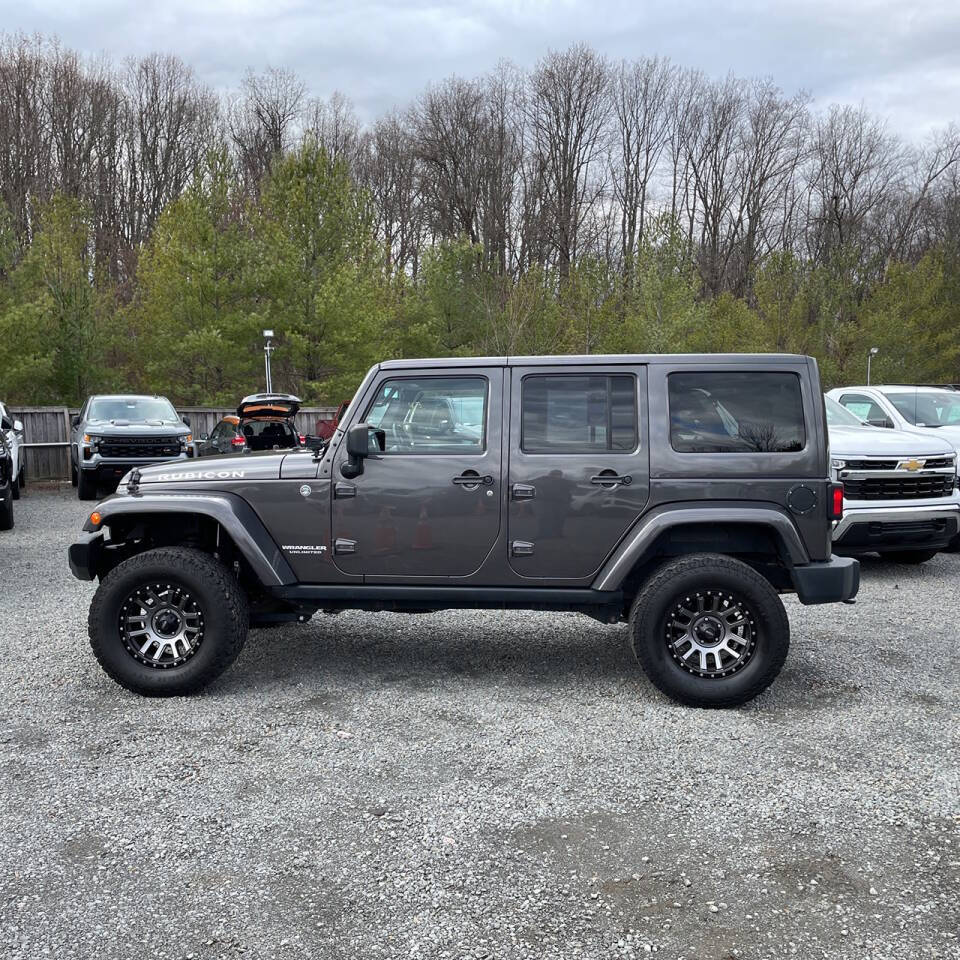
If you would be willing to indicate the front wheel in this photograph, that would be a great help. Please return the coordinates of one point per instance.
(6, 513)
(168, 622)
(709, 631)
(86, 485)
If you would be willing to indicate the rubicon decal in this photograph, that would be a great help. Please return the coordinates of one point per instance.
(201, 475)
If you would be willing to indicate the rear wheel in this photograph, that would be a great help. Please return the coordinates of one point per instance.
(909, 556)
(86, 485)
(709, 631)
(168, 621)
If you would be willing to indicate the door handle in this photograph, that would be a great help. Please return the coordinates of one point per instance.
(521, 548)
(342, 546)
(473, 480)
(611, 479)
(523, 491)
(343, 491)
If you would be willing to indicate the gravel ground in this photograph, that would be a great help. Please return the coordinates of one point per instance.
(477, 785)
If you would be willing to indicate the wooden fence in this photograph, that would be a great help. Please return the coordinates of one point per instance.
(52, 425)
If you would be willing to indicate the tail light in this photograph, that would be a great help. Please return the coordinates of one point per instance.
(238, 442)
(836, 501)
(303, 440)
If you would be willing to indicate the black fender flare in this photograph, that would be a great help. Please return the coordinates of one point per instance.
(619, 564)
(230, 511)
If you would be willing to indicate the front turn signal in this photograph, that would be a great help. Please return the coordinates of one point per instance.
(95, 518)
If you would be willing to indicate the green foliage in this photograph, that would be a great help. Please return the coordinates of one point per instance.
(303, 259)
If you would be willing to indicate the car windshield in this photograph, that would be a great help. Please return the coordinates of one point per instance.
(839, 416)
(929, 408)
(134, 409)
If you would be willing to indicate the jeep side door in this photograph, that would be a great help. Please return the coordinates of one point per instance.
(578, 466)
(427, 503)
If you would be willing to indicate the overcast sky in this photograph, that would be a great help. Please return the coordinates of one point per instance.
(899, 57)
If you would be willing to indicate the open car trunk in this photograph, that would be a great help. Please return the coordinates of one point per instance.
(268, 405)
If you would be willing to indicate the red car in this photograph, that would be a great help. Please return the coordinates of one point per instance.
(327, 428)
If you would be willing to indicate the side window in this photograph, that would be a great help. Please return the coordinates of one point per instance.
(735, 412)
(431, 415)
(866, 409)
(573, 413)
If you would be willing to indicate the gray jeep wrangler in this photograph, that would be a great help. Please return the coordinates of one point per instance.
(680, 493)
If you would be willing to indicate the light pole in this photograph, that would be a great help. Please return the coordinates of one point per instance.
(268, 349)
(873, 352)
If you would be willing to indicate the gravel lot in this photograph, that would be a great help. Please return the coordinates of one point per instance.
(477, 785)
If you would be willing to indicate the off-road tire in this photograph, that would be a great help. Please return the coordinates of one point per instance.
(87, 487)
(15, 487)
(73, 474)
(676, 580)
(909, 556)
(225, 620)
(23, 478)
(6, 514)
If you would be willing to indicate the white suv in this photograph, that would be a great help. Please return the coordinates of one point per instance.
(13, 432)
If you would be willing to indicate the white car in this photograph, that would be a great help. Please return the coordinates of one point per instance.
(13, 432)
(928, 410)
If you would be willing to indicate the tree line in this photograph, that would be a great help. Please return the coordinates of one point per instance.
(150, 228)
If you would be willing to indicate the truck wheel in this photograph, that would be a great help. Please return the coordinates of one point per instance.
(86, 485)
(709, 631)
(73, 475)
(23, 478)
(167, 622)
(909, 556)
(6, 514)
(15, 487)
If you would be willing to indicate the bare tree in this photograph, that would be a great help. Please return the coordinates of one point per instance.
(567, 113)
(335, 125)
(641, 99)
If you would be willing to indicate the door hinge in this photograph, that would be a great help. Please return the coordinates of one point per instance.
(521, 548)
(342, 546)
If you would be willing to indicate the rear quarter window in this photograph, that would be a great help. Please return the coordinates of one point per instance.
(736, 412)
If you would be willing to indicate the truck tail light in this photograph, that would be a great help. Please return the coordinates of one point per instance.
(237, 442)
(303, 440)
(836, 501)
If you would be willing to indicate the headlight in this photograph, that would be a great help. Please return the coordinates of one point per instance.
(91, 438)
(838, 464)
(187, 440)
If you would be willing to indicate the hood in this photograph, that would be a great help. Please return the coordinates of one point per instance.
(949, 434)
(268, 405)
(247, 466)
(881, 442)
(141, 428)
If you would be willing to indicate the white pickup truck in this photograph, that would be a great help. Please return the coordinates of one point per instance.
(900, 494)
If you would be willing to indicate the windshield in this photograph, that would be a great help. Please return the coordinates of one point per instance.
(929, 408)
(839, 416)
(135, 409)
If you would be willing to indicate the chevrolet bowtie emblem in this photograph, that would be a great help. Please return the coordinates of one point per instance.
(912, 465)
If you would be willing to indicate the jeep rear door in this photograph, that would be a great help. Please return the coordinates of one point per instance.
(578, 473)
(428, 504)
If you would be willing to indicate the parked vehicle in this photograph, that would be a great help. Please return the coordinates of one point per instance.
(6, 483)
(13, 432)
(681, 493)
(264, 421)
(900, 492)
(325, 429)
(114, 433)
(914, 409)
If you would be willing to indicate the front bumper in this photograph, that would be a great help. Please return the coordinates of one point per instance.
(118, 466)
(831, 581)
(872, 529)
(84, 555)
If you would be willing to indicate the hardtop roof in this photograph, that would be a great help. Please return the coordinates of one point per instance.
(596, 359)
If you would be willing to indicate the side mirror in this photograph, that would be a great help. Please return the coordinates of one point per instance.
(186, 420)
(881, 422)
(75, 421)
(18, 426)
(203, 436)
(358, 449)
